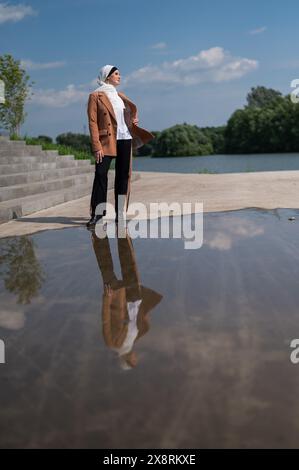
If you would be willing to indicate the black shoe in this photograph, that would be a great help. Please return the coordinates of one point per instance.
(93, 220)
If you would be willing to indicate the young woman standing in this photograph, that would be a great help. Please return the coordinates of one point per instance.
(114, 133)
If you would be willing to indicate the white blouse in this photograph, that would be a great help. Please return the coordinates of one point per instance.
(122, 128)
(132, 333)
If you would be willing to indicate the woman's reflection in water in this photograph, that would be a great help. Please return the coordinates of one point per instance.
(126, 303)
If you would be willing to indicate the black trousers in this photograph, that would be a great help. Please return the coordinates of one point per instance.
(122, 168)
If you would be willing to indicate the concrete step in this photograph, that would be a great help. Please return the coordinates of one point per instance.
(25, 166)
(35, 176)
(51, 153)
(22, 153)
(32, 179)
(21, 150)
(25, 151)
(29, 204)
(12, 143)
(33, 158)
(32, 153)
(23, 190)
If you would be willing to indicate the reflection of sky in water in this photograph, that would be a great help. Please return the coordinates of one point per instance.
(212, 347)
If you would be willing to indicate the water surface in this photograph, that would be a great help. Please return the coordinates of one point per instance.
(209, 367)
(219, 163)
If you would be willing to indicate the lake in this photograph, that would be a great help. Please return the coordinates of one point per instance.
(219, 163)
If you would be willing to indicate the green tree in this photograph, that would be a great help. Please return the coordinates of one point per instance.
(217, 137)
(20, 268)
(182, 140)
(45, 138)
(17, 90)
(149, 148)
(261, 96)
(272, 128)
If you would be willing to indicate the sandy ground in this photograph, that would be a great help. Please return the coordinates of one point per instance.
(225, 192)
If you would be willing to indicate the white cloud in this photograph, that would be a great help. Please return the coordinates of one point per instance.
(211, 65)
(29, 65)
(258, 30)
(62, 98)
(159, 45)
(231, 231)
(59, 98)
(15, 13)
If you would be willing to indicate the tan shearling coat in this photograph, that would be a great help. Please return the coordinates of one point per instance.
(103, 127)
(103, 124)
(114, 307)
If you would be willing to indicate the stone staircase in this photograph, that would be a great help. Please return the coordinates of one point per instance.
(32, 179)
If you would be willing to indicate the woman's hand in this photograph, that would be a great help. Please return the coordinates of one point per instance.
(135, 120)
(99, 155)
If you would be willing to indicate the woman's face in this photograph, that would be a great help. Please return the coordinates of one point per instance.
(114, 78)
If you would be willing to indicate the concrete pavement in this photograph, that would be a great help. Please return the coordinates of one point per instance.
(218, 192)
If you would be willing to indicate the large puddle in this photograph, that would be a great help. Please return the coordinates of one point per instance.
(179, 349)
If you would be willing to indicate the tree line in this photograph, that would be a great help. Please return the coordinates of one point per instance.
(268, 123)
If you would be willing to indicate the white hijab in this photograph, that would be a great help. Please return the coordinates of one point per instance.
(109, 89)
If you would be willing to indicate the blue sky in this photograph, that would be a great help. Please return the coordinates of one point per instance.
(191, 61)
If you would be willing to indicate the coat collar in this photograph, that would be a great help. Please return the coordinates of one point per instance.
(104, 98)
